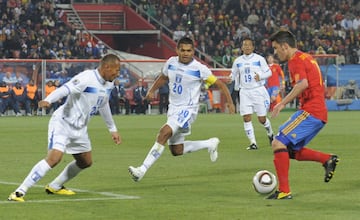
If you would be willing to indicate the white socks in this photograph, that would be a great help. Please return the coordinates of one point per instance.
(154, 154)
(157, 149)
(267, 126)
(37, 172)
(249, 131)
(69, 172)
(191, 146)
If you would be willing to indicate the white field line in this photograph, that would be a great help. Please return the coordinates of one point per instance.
(108, 195)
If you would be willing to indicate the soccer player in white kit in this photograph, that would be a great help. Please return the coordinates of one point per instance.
(86, 94)
(250, 71)
(185, 76)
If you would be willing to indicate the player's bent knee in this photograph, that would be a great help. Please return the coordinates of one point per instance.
(262, 119)
(176, 150)
(52, 163)
(84, 165)
(176, 153)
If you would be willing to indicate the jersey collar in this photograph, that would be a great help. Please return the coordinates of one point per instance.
(99, 77)
(248, 57)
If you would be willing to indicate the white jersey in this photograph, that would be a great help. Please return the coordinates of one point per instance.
(244, 69)
(185, 81)
(87, 93)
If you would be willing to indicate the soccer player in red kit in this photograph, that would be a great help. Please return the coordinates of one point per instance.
(273, 82)
(306, 122)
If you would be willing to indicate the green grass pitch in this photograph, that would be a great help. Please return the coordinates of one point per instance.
(186, 187)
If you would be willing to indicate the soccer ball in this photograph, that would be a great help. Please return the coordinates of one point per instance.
(264, 182)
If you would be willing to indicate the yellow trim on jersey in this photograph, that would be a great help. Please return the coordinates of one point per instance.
(295, 123)
(210, 80)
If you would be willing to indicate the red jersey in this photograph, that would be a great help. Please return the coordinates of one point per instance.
(277, 72)
(312, 99)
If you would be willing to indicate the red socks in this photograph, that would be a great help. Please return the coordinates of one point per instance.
(282, 163)
(306, 154)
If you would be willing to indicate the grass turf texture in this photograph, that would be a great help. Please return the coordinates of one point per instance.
(186, 187)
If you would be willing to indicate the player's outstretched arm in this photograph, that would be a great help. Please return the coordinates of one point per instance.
(299, 87)
(160, 80)
(224, 89)
(44, 104)
(55, 96)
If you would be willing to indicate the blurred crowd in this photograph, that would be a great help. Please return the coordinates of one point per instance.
(321, 27)
(33, 29)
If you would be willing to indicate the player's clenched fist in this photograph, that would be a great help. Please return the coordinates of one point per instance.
(44, 104)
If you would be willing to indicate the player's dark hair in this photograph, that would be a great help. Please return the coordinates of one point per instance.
(284, 36)
(249, 39)
(110, 58)
(185, 40)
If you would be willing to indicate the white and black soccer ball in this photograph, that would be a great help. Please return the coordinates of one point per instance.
(264, 182)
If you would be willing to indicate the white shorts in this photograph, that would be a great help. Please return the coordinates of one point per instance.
(63, 137)
(254, 100)
(180, 120)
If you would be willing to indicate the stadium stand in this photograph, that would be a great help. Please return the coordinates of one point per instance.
(216, 26)
(32, 29)
(329, 26)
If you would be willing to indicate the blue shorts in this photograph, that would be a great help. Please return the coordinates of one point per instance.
(273, 91)
(299, 129)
